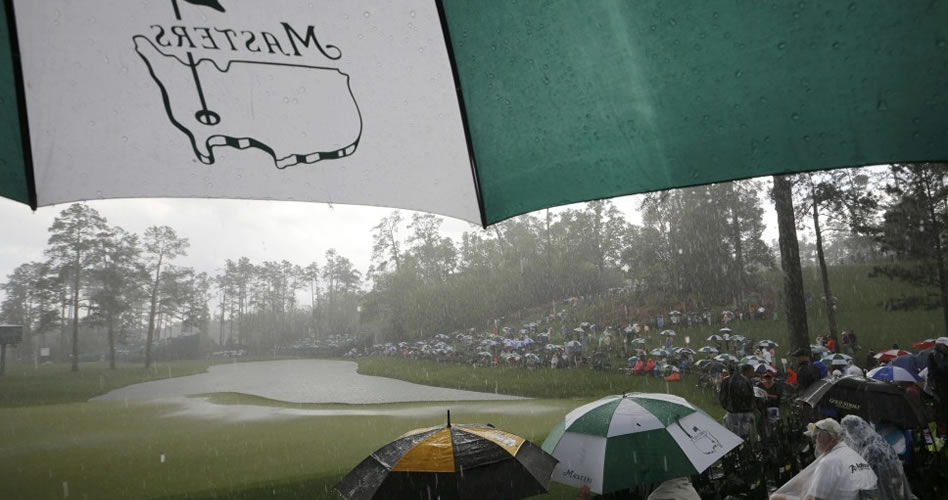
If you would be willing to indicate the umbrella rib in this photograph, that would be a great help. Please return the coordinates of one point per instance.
(449, 47)
(21, 105)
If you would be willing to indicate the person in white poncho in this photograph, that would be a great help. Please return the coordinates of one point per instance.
(863, 439)
(838, 473)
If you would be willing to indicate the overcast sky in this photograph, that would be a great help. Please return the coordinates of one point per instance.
(228, 229)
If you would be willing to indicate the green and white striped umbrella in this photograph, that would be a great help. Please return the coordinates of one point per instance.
(838, 359)
(635, 439)
(726, 358)
(752, 360)
(479, 110)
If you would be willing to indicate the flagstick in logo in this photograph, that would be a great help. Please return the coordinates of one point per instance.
(204, 115)
(287, 135)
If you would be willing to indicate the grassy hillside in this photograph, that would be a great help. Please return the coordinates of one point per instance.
(861, 308)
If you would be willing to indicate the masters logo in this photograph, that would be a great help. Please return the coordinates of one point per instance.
(241, 88)
(570, 473)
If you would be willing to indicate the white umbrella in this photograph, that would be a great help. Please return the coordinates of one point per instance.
(891, 373)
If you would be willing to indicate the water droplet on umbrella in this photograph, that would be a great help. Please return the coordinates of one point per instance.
(412, 13)
(795, 116)
(882, 105)
(738, 74)
(366, 14)
(782, 45)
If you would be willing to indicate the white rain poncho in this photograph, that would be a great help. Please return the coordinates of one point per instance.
(861, 437)
(840, 474)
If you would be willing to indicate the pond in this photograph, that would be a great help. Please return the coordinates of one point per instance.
(296, 381)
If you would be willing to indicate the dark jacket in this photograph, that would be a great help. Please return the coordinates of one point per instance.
(807, 375)
(938, 372)
(774, 390)
(737, 394)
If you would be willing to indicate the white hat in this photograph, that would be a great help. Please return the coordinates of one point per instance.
(826, 425)
(942, 340)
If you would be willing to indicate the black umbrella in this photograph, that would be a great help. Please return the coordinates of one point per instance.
(871, 399)
(452, 461)
(921, 359)
(712, 366)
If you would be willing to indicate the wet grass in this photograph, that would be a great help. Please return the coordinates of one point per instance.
(108, 449)
(861, 308)
(26, 385)
(569, 383)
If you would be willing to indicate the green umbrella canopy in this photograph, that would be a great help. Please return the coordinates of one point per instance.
(480, 110)
(635, 440)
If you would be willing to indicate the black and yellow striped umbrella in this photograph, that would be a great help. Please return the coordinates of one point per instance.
(451, 461)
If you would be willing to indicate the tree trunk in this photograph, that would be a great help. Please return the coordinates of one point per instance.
(739, 260)
(220, 338)
(151, 314)
(795, 303)
(75, 317)
(64, 306)
(936, 233)
(3, 359)
(824, 273)
(111, 330)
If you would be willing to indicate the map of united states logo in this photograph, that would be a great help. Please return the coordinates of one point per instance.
(297, 114)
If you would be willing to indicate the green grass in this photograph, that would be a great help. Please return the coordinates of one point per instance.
(861, 309)
(545, 383)
(107, 449)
